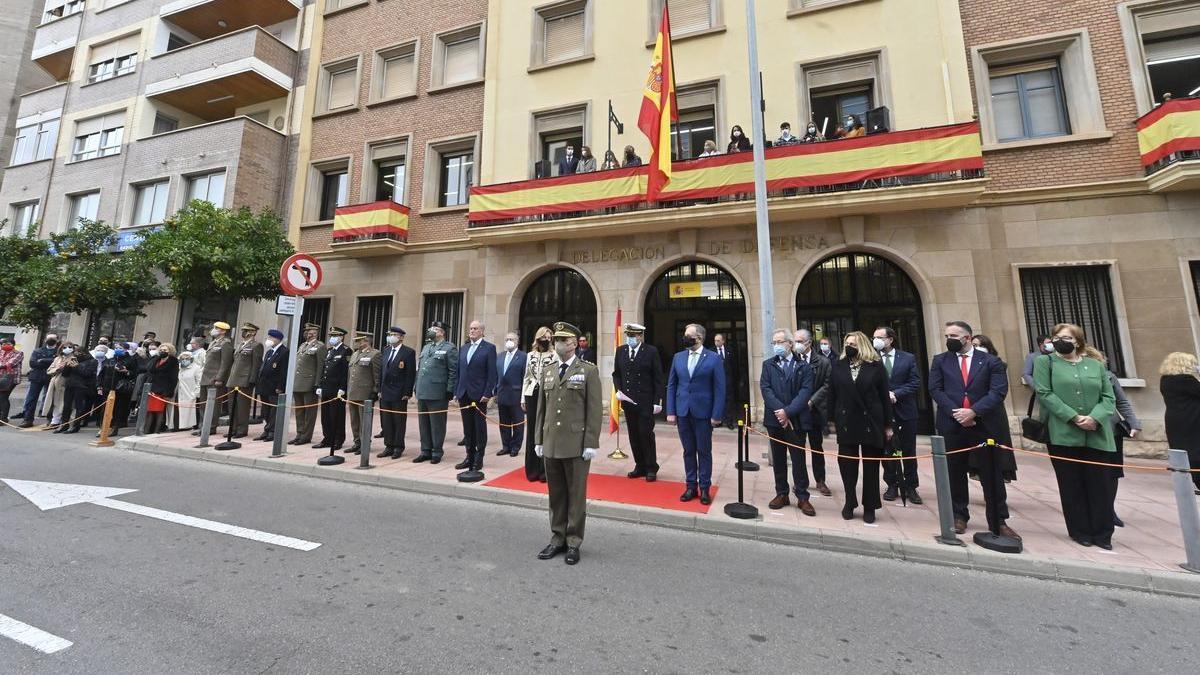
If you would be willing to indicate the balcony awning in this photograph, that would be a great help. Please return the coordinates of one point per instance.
(889, 155)
(1171, 128)
(383, 219)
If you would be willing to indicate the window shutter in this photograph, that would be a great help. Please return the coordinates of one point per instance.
(398, 75)
(564, 37)
(341, 89)
(104, 52)
(461, 61)
(689, 16)
(130, 44)
(88, 127)
(113, 120)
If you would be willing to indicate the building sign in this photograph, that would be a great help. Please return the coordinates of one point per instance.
(618, 254)
(800, 242)
(694, 289)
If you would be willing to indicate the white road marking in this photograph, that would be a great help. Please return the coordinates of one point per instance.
(31, 637)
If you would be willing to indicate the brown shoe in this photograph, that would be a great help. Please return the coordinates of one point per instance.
(960, 526)
(824, 489)
(806, 508)
(1006, 531)
(779, 502)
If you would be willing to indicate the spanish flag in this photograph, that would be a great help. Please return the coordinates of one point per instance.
(614, 405)
(659, 109)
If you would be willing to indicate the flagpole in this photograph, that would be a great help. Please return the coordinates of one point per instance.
(766, 278)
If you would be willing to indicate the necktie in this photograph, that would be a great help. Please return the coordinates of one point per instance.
(964, 366)
(722, 353)
(562, 370)
(471, 352)
(887, 362)
(269, 353)
(507, 360)
(632, 354)
(691, 362)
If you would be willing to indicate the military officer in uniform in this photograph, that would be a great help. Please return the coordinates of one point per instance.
(310, 359)
(567, 437)
(396, 382)
(437, 375)
(272, 379)
(363, 383)
(640, 384)
(247, 360)
(217, 364)
(331, 388)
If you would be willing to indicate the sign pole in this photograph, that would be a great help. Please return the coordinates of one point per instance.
(284, 403)
(766, 278)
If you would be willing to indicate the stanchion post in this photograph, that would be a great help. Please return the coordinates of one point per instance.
(1185, 499)
(143, 401)
(744, 463)
(365, 431)
(941, 475)
(280, 426)
(740, 509)
(106, 425)
(230, 444)
(210, 405)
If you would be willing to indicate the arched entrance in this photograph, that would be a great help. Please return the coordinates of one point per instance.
(862, 291)
(560, 294)
(704, 294)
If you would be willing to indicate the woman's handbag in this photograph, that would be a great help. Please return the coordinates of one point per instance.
(1033, 428)
(6, 382)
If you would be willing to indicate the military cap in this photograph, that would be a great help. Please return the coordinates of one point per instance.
(634, 329)
(565, 330)
(249, 326)
(221, 325)
(440, 324)
(363, 335)
(337, 331)
(312, 326)
(277, 334)
(397, 330)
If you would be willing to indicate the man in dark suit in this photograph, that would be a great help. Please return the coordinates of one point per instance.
(331, 390)
(272, 380)
(396, 381)
(904, 383)
(802, 347)
(638, 379)
(696, 403)
(476, 386)
(569, 162)
(721, 347)
(786, 384)
(968, 386)
(585, 352)
(510, 378)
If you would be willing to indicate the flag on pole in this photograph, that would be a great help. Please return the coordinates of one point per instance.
(614, 405)
(659, 109)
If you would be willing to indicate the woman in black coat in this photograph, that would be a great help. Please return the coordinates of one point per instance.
(738, 141)
(118, 374)
(1180, 389)
(163, 375)
(861, 407)
(79, 372)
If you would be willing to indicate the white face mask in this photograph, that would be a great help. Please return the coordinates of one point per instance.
(153, 353)
(68, 351)
(99, 354)
(335, 341)
(393, 339)
(509, 345)
(798, 348)
(1048, 348)
(185, 363)
(268, 343)
(878, 344)
(982, 349)
(214, 333)
(825, 349)
(561, 348)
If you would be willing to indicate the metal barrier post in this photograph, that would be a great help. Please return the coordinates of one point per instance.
(106, 425)
(229, 444)
(941, 474)
(281, 411)
(365, 433)
(744, 462)
(1185, 499)
(740, 509)
(143, 401)
(210, 405)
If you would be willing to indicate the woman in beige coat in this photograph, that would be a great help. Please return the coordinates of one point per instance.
(539, 360)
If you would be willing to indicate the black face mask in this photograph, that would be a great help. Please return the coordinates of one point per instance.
(51, 343)
(851, 352)
(954, 345)
(1063, 347)
(687, 342)
(544, 342)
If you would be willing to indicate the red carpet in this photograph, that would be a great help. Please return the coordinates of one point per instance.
(661, 494)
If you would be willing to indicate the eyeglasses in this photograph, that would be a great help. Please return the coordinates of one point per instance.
(1065, 338)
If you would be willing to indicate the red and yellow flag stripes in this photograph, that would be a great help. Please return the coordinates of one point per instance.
(614, 405)
(899, 153)
(360, 220)
(659, 109)
(1170, 128)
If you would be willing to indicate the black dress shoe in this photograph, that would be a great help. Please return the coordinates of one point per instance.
(334, 448)
(550, 551)
(868, 515)
(688, 495)
(463, 464)
(572, 555)
(915, 498)
(651, 477)
(889, 495)
(294, 441)
(705, 499)
(1117, 521)
(421, 458)
(503, 452)
(436, 460)
(847, 513)
(396, 452)
(323, 444)
(1082, 541)
(636, 473)
(240, 435)
(60, 430)
(260, 437)
(72, 430)
(353, 450)
(25, 425)
(387, 452)
(463, 442)
(196, 433)
(1106, 545)
(514, 452)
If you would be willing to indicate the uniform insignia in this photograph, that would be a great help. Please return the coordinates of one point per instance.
(578, 377)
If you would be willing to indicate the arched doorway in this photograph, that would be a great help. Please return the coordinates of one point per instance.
(709, 296)
(862, 291)
(560, 294)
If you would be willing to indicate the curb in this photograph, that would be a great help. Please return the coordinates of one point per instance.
(1180, 584)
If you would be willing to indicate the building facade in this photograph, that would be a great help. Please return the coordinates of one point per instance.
(156, 103)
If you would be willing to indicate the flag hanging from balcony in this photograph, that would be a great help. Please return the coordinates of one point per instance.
(614, 405)
(659, 109)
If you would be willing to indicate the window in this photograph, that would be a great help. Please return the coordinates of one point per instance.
(339, 85)
(316, 310)
(562, 32)
(150, 203)
(458, 57)
(444, 307)
(175, 41)
(24, 216)
(35, 142)
(687, 17)
(57, 9)
(388, 163)
(118, 57)
(335, 186)
(840, 88)
(553, 130)
(83, 206)
(209, 187)
(374, 316)
(333, 5)
(164, 124)
(1169, 36)
(802, 6)
(698, 107)
(98, 136)
(456, 178)
(1027, 101)
(554, 146)
(395, 72)
(1078, 294)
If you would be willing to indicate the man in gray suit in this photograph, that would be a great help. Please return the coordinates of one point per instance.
(437, 375)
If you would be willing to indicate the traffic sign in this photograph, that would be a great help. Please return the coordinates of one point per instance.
(285, 305)
(300, 274)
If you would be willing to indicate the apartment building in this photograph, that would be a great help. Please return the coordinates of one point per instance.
(156, 103)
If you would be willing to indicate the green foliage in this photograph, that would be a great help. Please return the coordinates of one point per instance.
(19, 254)
(208, 252)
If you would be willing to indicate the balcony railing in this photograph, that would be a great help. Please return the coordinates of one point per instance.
(833, 168)
(1170, 134)
(375, 228)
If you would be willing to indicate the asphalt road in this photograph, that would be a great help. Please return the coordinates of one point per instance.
(412, 583)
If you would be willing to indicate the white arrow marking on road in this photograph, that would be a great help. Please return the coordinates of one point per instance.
(31, 637)
(48, 496)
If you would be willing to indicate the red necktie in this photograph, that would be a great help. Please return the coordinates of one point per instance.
(965, 372)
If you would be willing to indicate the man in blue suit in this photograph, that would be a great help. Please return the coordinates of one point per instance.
(968, 385)
(569, 162)
(510, 379)
(476, 386)
(398, 376)
(904, 381)
(787, 386)
(696, 403)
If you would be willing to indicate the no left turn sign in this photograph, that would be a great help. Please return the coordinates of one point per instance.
(300, 275)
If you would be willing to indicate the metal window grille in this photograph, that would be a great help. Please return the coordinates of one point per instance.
(374, 317)
(444, 307)
(1078, 294)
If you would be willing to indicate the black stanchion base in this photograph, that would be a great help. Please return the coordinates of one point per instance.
(470, 476)
(227, 445)
(746, 466)
(331, 460)
(1190, 568)
(997, 543)
(949, 541)
(741, 510)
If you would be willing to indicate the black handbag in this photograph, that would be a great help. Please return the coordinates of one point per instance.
(1033, 428)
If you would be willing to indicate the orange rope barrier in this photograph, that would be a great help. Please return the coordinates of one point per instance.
(830, 453)
(50, 427)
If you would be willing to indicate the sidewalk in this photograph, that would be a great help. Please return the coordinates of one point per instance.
(1146, 553)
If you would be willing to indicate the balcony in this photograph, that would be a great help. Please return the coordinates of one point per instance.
(54, 45)
(211, 18)
(940, 167)
(369, 230)
(1169, 140)
(213, 78)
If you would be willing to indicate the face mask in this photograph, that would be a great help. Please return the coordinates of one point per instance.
(780, 350)
(982, 349)
(812, 130)
(335, 341)
(786, 132)
(393, 339)
(798, 348)
(851, 352)
(247, 336)
(7, 348)
(825, 349)
(99, 354)
(153, 353)
(68, 351)
(687, 342)
(51, 343)
(631, 341)
(120, 352)
(1048, 347)
(185, 363)
(561, 349)
(954, 345)
(431, 334)
(509, 345)
(849, 122)
(266, 343)
(878, 344)
(1063, 347)
(737, 134)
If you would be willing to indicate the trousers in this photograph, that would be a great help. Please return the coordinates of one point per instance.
(306, 414)
(432, 424)
(779, 462)
(904, 439)
(848, 467)
(640, 421)
(535, 467)
(511, 436)
(394, 424)
(958, 465)
(695, 434)
(816, 443)
(474, 426)
(567, 481)
(1085, 491)
(36, 387)
(333, 419)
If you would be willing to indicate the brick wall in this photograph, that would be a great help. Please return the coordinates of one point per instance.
(988, 21)
(454, 112)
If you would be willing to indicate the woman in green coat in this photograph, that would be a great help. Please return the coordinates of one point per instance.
(1077, 404)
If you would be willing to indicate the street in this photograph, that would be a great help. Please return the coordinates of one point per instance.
(410, 583)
